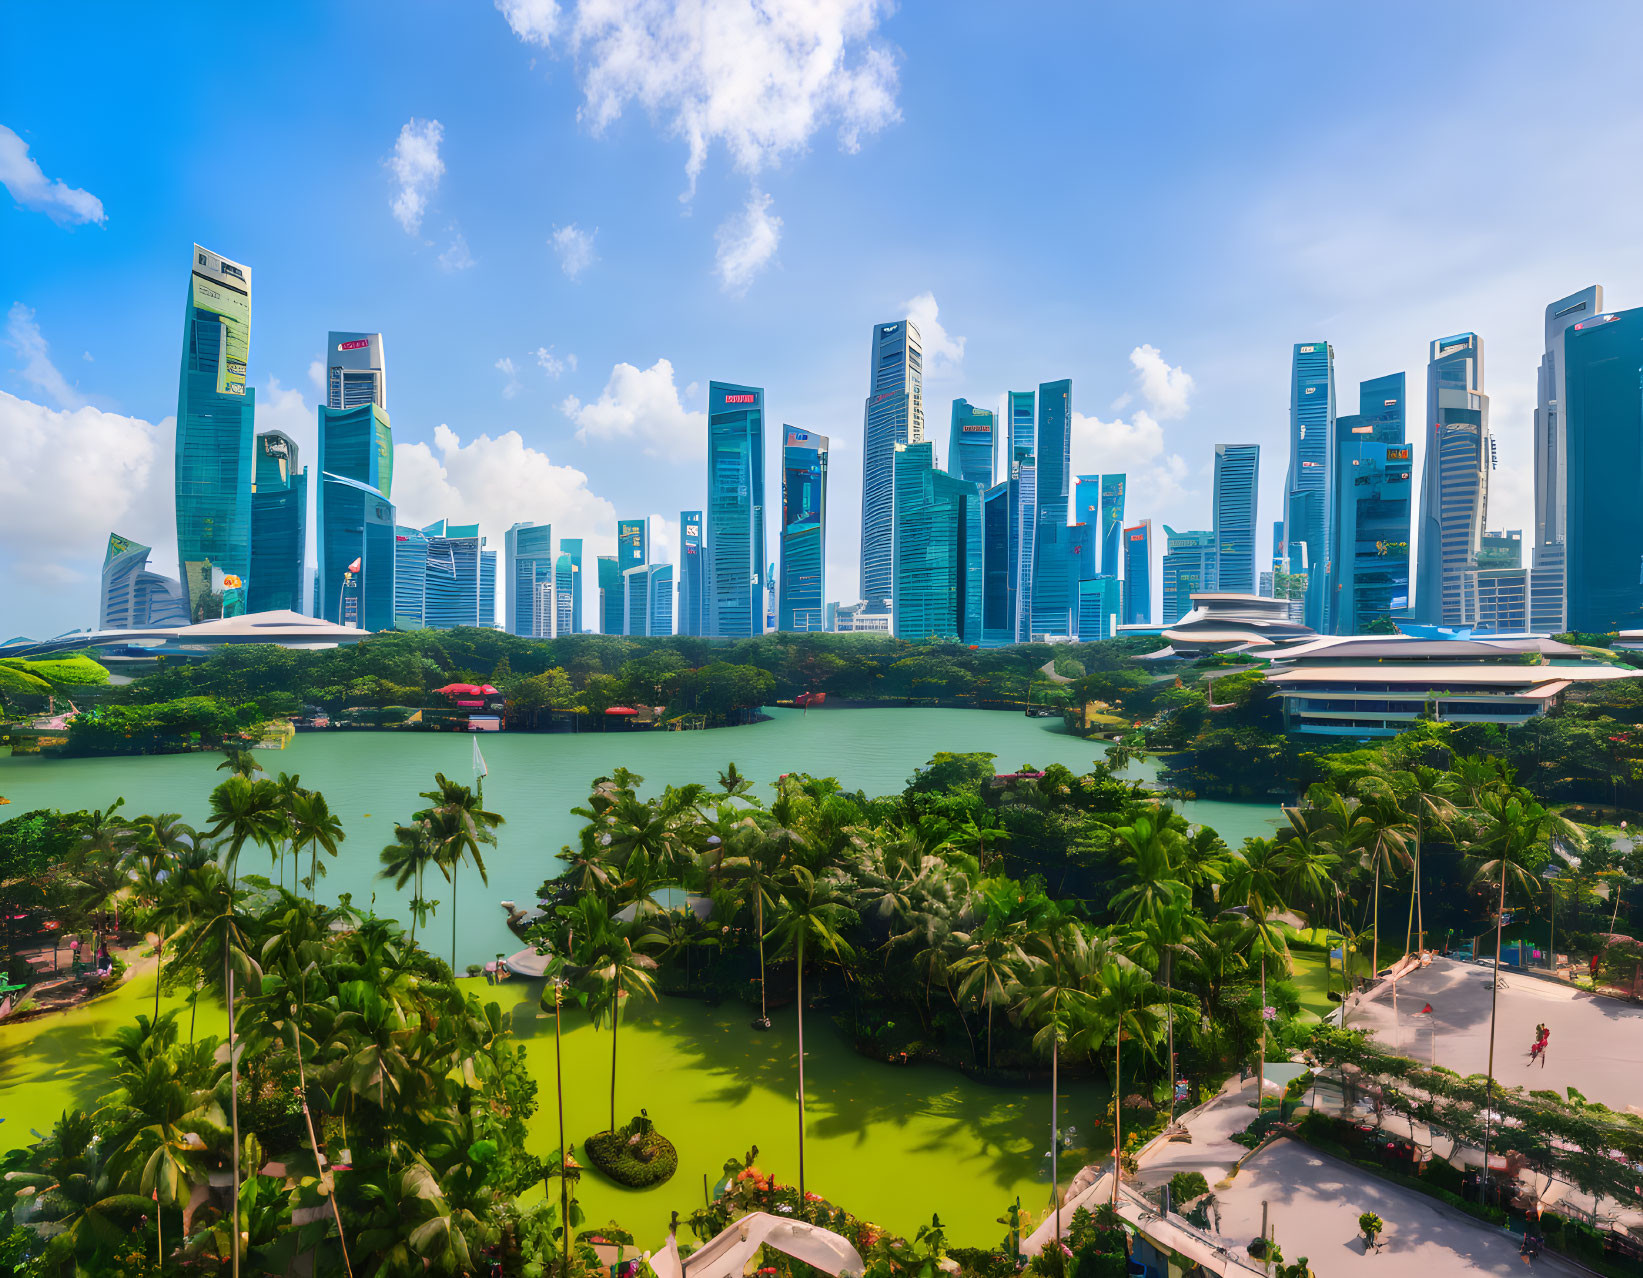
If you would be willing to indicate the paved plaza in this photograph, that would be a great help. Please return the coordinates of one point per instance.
(1596, 1043)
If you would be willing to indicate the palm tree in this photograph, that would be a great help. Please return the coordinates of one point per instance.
(242, 763)
(749, 860)
(1056, 998)
(102, 844)
(406, 858)
(1123, 1007)
(1424, 794)
(615, 963)
(314, 827)
(461, 823)
(990, 963)
(1254, 890)
(158, 843)
(81, 1210)
(1150, 883)
(811, 915)
(247, 812)
(1157, 943)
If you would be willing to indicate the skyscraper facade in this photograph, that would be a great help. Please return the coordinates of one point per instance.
(938, 557)
(691, 569)
(1055, 572)
(894, 414)
(1026, 551)
(132, 597)
(735, 510)
(1087, 510)
(1112, 524)
(1021, 410)
(648, 600)
(1548, 610)
(1455, 483)
(1603, 359)
(1189, 568)
(356, 373)
(279, 526)
(1000, 546)
(568, 585)
(355, 517)
(612, 596)
(1311, 455)
(1100, 604)
(1237, 489)
(1372, 491)
(970, 444)
(215, 412)
(461, 578)
(633, 542)
(1138, 574)
(802, 581)
(527, 564)
(410, 578)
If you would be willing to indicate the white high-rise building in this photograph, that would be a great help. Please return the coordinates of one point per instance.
(355, 372)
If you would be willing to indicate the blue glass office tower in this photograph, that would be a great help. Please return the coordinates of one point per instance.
(648, 600)
(279, 526)
(568, 585)
(527, 568)
(938, 559)
(1112, 524)
(356, 463)
(1026, 552)
(1138, 574)
(970, 443)
(215, 411)
(1100, 604)
(1055, 572)
(1548, 605)
(1189, 568)
(802, 582)
(1455, 481)
(1603, 374)
(132, 597)
(410, 578)
(633, 542)
(735, 510)
(461, 580)
(1087, 510)
(612, 593)
(691, 570)
(1311, 443)
(1000, 544)
(1237, 489)
(1371, 499)
(1021, 409)
(894, 414)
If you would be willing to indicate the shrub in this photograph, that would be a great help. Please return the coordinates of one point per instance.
(1185, 1186)
(635, 1155)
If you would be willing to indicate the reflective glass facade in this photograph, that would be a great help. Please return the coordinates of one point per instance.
(1237, 489)
(1455, 483)
(1100, 604)
(356, 527)
(356, 373)
(633, 542)
(1055, 575)
(612, 597)
(132, 597)
(1021, 410)
(1603, 359)
(647, 595)
(938, 557)
(1311, 452)
(692, 566)
(1026, 552)
(458, 569)
(568, 592)
(970, 443)
(894, 414)
(1000, 546)
(1138, 574)
(1189, 568)
(1372, 501)
(279, 526)
(215, 412)
(410, 578)
(1112, 524)
(735, 511)
(527, 563)
(801, 593)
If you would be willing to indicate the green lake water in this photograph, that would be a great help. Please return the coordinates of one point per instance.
(891, 1143)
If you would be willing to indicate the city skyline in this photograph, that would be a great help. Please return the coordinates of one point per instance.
(534, 335)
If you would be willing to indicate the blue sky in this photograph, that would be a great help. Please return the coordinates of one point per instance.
(1155, 200)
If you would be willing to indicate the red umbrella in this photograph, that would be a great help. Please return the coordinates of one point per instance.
(621, 710)
(461, 690)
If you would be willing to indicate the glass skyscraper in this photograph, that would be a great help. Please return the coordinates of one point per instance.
(1311, 455)
(1455, 481)
(938, 560)
(356, 373)
(1026, 551)
(568, 585)
(1547, 603)
(1603, 374)
(1189, 568)
(132, 597)
(970, 443)
(215, 412)
(1372, 504)
(1237, 489)
(633, 542)
(1055, 572)
(648, 600)
(527, 566)
(355, 520)
(461, 588)
(1000, 546)
(279, 526)
(802, 591)
(1021, 411)
(691, 568)
(894, 414)
(1087, 510)
(1138, 574)
(1100, 604)
(735, 510)
(1112, 523)
(410, 578)
(612, 596)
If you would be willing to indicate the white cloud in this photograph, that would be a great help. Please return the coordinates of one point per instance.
(316, 376)
(111, 464)
(747, 243)
(941, 349)
(1166, 388)
(493, 483)
(1157, 480)
(574, 247)
(664, 539)
(417, 168)
(533, 21)
(642, 406)
(283, 408)
(456, 257)
(23, 336)
(32, 189)
(512, 387)
(554, 365)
